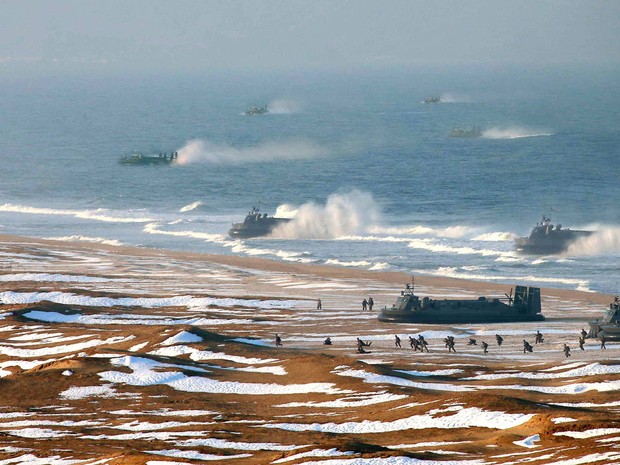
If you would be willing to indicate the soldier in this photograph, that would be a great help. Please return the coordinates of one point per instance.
(360, 350)
(539, 338)
(328, 341)
(499, 339)
(319, 305)
(603, 342)
(581, 342)
(423, 343)
(527, 347)
(413, 343)
(364, 304)
(278, 340)
(451, 344)
(566, 350)
(472, 342)
(583, 333)
(396, 340)
(370, 303)
(485, 347)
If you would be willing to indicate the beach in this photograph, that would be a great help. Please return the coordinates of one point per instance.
(113, 354)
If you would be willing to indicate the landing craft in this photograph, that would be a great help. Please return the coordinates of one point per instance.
(409, 308)
(547, 239)
(137, 158)
(609, 325)
(432, 99)
(256, 224)
(471, 133)
(253, 111)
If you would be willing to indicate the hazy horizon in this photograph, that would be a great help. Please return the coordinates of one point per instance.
(143, 36)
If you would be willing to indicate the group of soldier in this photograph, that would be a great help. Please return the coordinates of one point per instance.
(420, 343)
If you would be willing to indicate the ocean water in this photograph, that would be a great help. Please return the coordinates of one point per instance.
(366, 169)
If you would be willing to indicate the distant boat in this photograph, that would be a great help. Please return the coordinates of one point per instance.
(138, 158)
(433, 99)
(256, 224)
(253, 111)
(409, 308)
(546, 238)
(472, 132)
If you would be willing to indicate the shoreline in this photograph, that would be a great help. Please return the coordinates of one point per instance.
(395, 278)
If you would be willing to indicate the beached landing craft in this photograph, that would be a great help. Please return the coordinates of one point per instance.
(137, 158)
(256, 224)
(547, 239)
(472, 132)
(609, 325)
(409, 308)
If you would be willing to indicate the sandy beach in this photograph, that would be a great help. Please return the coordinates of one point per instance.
(112, 354)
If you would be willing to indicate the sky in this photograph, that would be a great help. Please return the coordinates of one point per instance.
(208, 35)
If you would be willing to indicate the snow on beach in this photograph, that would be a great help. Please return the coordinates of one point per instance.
(130, 361)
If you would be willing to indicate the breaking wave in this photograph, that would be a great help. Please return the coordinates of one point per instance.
(98, 240)
(204, 151)
(461, 273)
(495, 237)
(420, 230)
(99, 214)
(191, 206)
(342, 215)
(513, 133)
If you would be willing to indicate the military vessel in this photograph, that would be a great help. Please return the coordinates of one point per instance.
(256, 224)
(546, 238)
(432, 99)
(253, 111)
(409, 308)
(138, 158)
(609, 325)
(472, 132)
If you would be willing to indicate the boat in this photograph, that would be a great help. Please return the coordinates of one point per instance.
(609, 325)
(138, 158)
(256, 224)
(253, 111)
(409, 308)
(432, 99)
(546, 238)
(472, 132)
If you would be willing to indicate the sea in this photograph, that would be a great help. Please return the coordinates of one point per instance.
(365, 168)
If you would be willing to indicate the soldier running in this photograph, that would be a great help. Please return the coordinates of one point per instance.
(539, 338)
(583, 333)
(472, 342)
(581, 343)
(414, 344)
(396, 340)
(499, 339)
(566, 350)
(485, 347)
(423, 343)
(603, 339)
(527, 347)
(278, 340)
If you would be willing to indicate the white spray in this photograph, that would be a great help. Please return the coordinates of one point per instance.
(604, 240)
(342, 215)
(204, 151)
